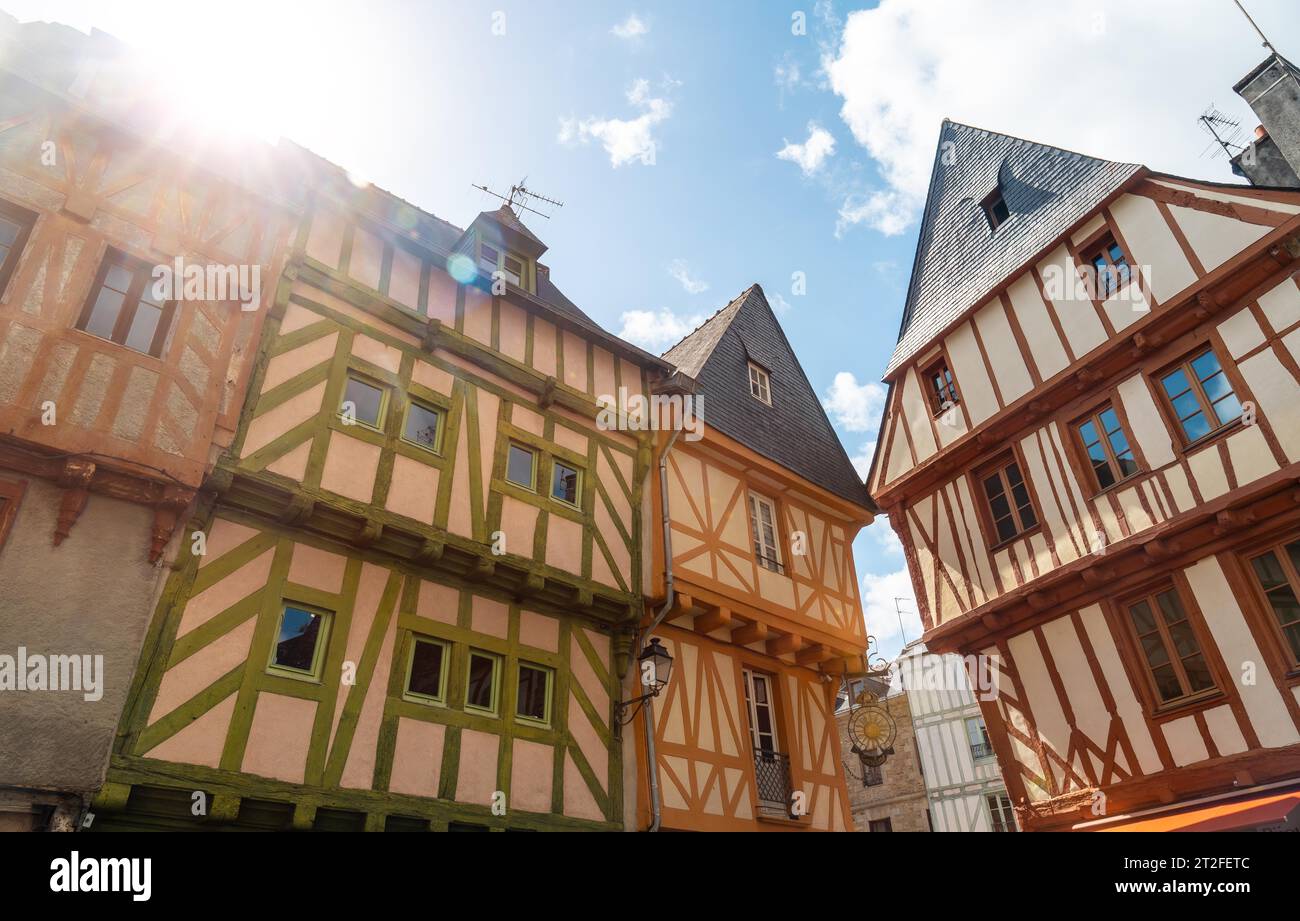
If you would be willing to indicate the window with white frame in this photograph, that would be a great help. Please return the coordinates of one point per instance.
(762, 718)
(763, 530)
(978, 736)
(760, 384)
(1000, 812)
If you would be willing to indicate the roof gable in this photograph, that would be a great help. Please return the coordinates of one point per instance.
(794, 431)
(959, 260)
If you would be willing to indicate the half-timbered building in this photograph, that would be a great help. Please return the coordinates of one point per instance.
(755, 581)
(1090, 453)
(423, 552)
(113, 396)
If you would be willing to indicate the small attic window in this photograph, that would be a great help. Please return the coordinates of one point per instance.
(760, 385)
(512, 266)
(995, 208)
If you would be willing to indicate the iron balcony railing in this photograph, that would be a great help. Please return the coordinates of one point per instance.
(772, 769)
(981, 750)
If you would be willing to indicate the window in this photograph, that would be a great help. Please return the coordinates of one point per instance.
(978, 737)
(881, 825)
(1109, 266)
(1277, 572)
(123, 308)
(521, 465)
(995, 208)
(565, 483)
(481, 687)
(1200, 396)
(1107, 447)
(1000, 812)
(300, 642)
(15, 227)
(363, 402)
(941, 387)
(513, 268)
(426, 671)
(872, 775)
(762, 718)
(10, 495)
(762, 528)
(422, 427)
(760, 384)
(534, 701)
(1007, 499)
(1173, 656)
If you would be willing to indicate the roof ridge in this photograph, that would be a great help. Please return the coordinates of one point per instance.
(713, 316)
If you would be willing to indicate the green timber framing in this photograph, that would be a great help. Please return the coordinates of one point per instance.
(286, 512)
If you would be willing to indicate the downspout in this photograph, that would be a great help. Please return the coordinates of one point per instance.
(652, 770)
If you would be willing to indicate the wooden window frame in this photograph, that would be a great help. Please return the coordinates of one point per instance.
(318, 654)
(526, 278)
(989, 205)
(886, 821)
(747, 676)
(999, 465)
(438, 432)
(758, 498)
(764, 379)
(385, 396)
(141, 275)
(26, 220)
(940, 366)
(1100, 244)
(495, 708)
(534, 453)
(998, 814)
(576, 504)
(548, 711)
(1085, 464)
(1202, 398)
(11, 491)
(1207, 650)
(415, 696)
(1289, 657)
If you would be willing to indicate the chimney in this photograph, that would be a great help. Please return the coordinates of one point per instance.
(1273, 91)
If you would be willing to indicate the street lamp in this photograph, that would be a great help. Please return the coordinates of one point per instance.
(655, 665)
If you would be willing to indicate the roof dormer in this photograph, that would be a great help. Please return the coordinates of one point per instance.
(497, 242)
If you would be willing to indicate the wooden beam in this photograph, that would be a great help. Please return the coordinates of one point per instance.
(814, 655)
(782, 645)
(750, 633)
(713, 620)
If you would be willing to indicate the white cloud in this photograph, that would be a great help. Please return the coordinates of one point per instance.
(655, 331)
(856, 407)
(632, 27)
(779, 303)
(1111, 78)
(882, 616)
(679, 270)
(625, 140)
(812, 153)
(862, 460)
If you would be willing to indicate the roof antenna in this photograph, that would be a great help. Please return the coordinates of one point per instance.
(521, 197)
(1258, 30)
(1225, 131)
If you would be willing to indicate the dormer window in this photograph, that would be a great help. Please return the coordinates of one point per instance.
(512, 266)
(760, 385)
(995, 209)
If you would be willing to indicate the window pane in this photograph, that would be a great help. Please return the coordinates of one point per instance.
(1187, 405)
(365, 400)
(1170, 607)
(1153, 647)
(1217, 386)
(8, 232)
(1198, 673)
(422, 426)
(519, 467)
(118, 278)
(1206, 366)
(1293, 551)
(1006, 528)
(103, 316)
(1105, 476)
(1001, 508)
(1088, 432)
(143, 326)
(564, 484)
(1013, 474)
(296, 646)
(426, 670)
(1118, 443)
(481, 672)
(1268, 570)
(1167, 685)
(1196, 427)
(993, 486)
(532, 693)
(1127, 465)
(1175, 383)
(1142, 619)
(1227, 409)
(1184, 640)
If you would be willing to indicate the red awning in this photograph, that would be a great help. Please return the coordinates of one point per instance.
(1262, 812)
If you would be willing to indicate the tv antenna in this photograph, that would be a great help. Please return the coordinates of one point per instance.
(522, 197)
(1253, 25)
(1225, 131)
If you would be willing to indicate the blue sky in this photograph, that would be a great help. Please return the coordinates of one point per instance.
(703, 146)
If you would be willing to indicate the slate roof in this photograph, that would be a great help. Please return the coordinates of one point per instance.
(794, 431)
(958, 260)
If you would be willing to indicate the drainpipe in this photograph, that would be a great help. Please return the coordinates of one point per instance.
(652, 770)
